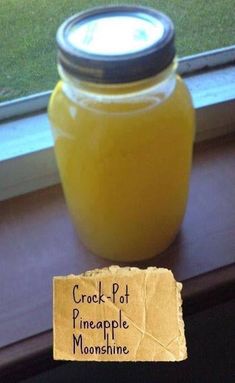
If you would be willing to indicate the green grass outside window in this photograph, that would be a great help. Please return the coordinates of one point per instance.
(28, 28)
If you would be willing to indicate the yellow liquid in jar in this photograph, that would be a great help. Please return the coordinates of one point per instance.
(125, 169)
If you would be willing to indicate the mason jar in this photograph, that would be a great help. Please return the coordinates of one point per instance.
(123, 127)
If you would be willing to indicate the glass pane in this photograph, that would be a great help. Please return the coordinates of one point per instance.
(28, 28)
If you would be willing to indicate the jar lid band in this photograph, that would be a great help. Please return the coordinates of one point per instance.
(116, 44)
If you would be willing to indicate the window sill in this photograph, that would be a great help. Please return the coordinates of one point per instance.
(38, 242)
(27, 160)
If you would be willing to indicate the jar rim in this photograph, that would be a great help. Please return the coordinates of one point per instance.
(151, 50)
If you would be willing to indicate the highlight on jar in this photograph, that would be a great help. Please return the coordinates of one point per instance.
(123, 127)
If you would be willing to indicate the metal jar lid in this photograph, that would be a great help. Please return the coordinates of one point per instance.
(116, 44)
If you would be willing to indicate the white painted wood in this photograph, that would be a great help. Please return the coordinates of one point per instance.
(207, 60)
(24, 136)
(24, 105)
(212, 87)
(27, 173)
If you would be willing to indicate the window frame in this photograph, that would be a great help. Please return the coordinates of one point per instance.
(27, 160)
(186, 66)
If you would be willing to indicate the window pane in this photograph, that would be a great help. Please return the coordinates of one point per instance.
(28, 28)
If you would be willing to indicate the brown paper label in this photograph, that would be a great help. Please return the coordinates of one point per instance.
(118, 314)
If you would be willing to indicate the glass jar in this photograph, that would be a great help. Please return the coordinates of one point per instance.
(123, 125)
